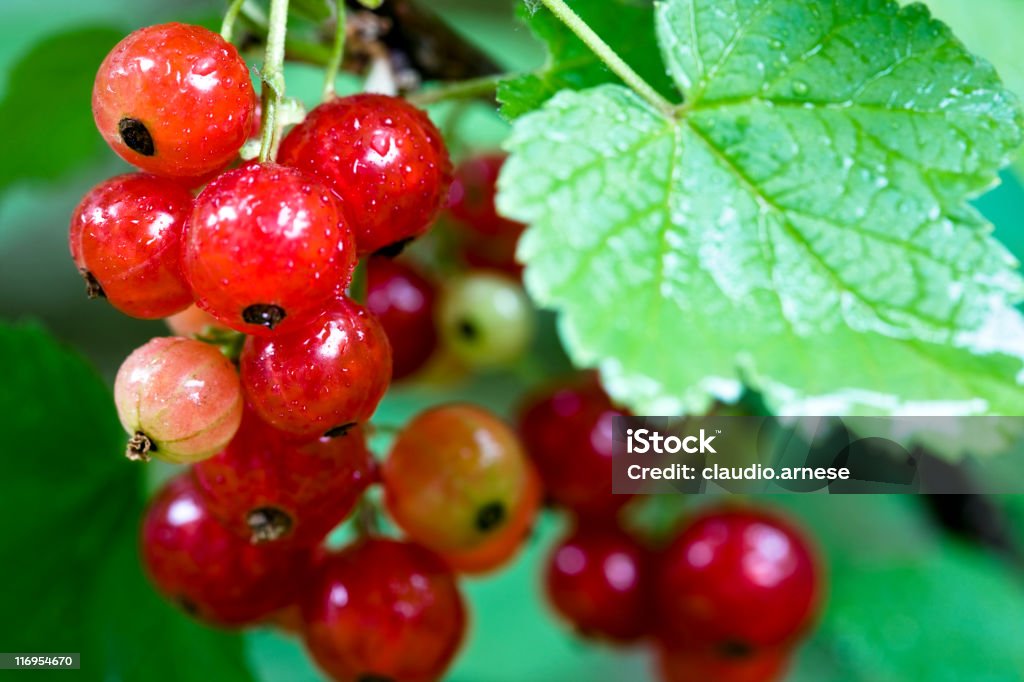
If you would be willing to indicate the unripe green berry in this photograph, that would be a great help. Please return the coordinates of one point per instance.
(485, 319)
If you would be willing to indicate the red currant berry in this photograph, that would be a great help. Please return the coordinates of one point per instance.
(289, 619)
(384, 158)
(175, 100)
(454, 478)
(736, 580)
(384, 610)
(403, 300)
(180, 399)
(322, 379)
(207, 570)
(471, 198)
(126, 241)
(704, 665)
(266, 248)
(597, 579)
(493, 252)
(269, 487)
(487, 240)
(567, 429)
(504, 544)
(257, 122)
(193, 322)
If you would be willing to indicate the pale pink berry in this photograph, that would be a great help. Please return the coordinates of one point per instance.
(180, 399)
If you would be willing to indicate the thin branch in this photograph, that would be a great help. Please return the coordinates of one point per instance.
(475, 87)
(227, 27)
(273, 79)
(337, 53)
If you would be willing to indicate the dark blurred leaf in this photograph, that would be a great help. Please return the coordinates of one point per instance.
(955, 615)
(46, 113)
(905, 602)
(627, 27)
(71, 511)
(314, 10)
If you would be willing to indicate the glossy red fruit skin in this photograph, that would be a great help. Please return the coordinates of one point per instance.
(706, 665)
(190, 91)
(125, 237)
(268, 487)
(567, 430)
(209, 571)
(328, 375)
(384, 610)
(598, 580)
(737, 579)
(403, 300)
(257, 122)
(385, 159)
(265, 237)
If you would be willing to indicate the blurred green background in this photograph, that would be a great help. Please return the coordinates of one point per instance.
(908, 600)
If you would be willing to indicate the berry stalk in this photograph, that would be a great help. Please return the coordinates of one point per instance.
(273, 79)
(337, 53)
(227, 27)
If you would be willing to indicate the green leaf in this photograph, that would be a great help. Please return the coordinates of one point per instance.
(800, 224)
(628, 27)
(45, 109)
(69, 532)
(993, 33)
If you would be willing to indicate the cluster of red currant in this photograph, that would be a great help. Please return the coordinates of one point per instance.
(276, 370)
(268, 388)
(726, 599)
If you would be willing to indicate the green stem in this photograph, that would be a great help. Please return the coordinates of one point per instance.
(359, 284)
(227, 27)
(607, 55)
(337, 53)
(468, 89)
(229, 342)
(367, 519)
(273, 79)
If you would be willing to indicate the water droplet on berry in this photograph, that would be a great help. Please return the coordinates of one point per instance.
(205, 66)
(381, 143)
